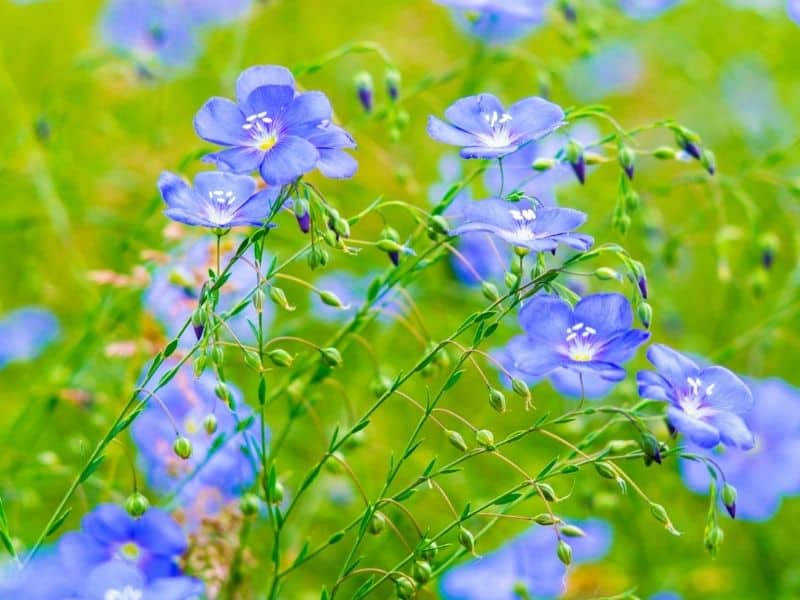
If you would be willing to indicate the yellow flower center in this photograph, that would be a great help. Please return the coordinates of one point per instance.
(268, 142)
(129, 551)
(581, 356)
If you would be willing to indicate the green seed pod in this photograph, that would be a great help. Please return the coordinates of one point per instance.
(490, 291)
(252, 360)
(280, 357)
(200, 364)
(429, 550)
(331, 357)
(660, 513)
(182, 447)
(606, 274)
(572, 531)
(438, 225)
(421, 571)
(278, 296)
(605, 470)
(137, 504)
(544, 164)
(511, 280)
(217, 355)
(331, 299)
(729, 499)
(377, 523)
(210, 424)
(466, 539)
(276, 493)
(388, 245)
(249, 505)
(258, 300)
(645, 313)
(455, 438)
(222, 392)
(380, 385)
(547, 492)
(521, 388)
(712, 539)
(564, 552)
(665, 153)
(405, 588)
(341, 226)
(626, 157)
(498, 400)
(485, 438)
(545, 519)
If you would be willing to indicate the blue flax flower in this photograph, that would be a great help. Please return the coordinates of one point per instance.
(614, 69)
(485, 129)
(524, 224)
(25, 333)
(152, 543)
(646, 9)
(213, 12)
(705, 404)
(595, 337)
(528, 562)
(217, 200)
(565, 381)
(762, 476)
(274, 129)
(498, 21)
(232, 467)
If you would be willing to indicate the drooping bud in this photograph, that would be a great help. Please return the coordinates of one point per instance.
(547, 492)
(393, 80)
(498, 400)
(576, 159)
(332, 299)
(182, 447)
(137, 504)
(641, 281)
(222, 392)
(278, 296)
(455, 438)
(198, 322)
(405, 588)
(280, 357)
(521, 389)
(709, 161)
(572, 531)
(249, 505)
(365, 89)
(645, 313)
(664, 153)
(511, 280)
(485, 438)
(258, 300)
(277, 493)
(626, 158)
(729, 499)
(200, 364)
(545, 519)
(544, 164)
(713, 538)
(210, 424)
(217, 355)
(421, 571)
(651, 449)
(490, 291)
(769, 246)
(429, 550)
(606, 273)
(564, 552)
(688, 141)
(302, 214)
(437, 224)
(605, 470)
(377, 523)
(331, 357)
(252, 360)
(341, 226)
(317, 257)
(466, 539)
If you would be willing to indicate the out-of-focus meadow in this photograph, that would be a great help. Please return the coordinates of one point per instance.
(86, 135)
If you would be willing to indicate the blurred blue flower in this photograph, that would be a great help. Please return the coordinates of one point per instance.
(484, 129)
(705, 404)
(274, 129)
(175, 287)
(152, 543)
(352, 291)
(761, 476)
(43, 578)
(646, 9)
(665, 596)
(216, 12)
(565, 381)
(480, 258)
(594, 338)
(524, 224)
(151, 32)
(498, 21)
(232, 468)
(25, 333)
(116, 580)
(527, 562)
(613, 69)
(217, 200)
(793, 10)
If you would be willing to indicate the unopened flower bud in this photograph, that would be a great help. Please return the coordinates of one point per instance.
(137, 504)
(511, 280)
(729, 499)
(437, 225)
(664, 153)
(222, 392)
(576, 159)
(249, 505)
(713, 538)
(182, 447)
(498, 400)
(277, 493)
(332, 299)
(302, 214)
(544, 164)
(606, 273)
(545, 519)
(490, 291)
(645, 314)
(200, 364)
(429, 550)
(393, 80)
(626, 158)
(380, 385)
(365, 89)
(421, 571)
(605, 470)
(252, 359)
(210, 424)
(564, 552)
(280, 357)
(466, 539)
(521, 388)
(377, 523)
(709, 161)
(331, 357)
(455, 438)
(651, 449)
(547, 492)
(485, 438)
(405, 588)
(217, 355)
(278, 296)
(572, 531)
(198, 322)
(317, 257)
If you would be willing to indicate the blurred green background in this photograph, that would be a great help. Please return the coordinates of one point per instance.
(84, 140)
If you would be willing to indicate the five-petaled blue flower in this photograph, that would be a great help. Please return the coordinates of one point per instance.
(761, 476)
(705, 404)
(528, 562)
(274, 129)
(217, 200)
(594, 337)
(524, 224)
(152, 543)
(485, 129)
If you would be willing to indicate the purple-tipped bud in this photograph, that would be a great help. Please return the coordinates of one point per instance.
(767, 258)
(393, 84)
(577, 160)
(304, 222)
(651, 449)
(642, 281)
(579, 168)
(366, 89)
(568, 10)
(394, 257)
(691, 149)
(626, 159)
(729, 499)
(198, 331)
